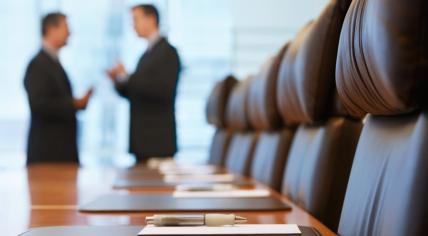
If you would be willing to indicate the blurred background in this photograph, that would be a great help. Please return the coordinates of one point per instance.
(214, 38)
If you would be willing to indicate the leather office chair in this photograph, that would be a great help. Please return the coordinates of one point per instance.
(240, 153)
(216, 115)
(274, 140)
(321, 154)
(382, 70)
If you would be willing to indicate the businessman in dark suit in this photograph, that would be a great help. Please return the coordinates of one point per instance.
(151, 90)
(52, 135)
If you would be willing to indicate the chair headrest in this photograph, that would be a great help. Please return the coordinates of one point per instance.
(306, 84)
(338, 109)
(236, 114)
(217, 102)
(382, 66)
(262, 106)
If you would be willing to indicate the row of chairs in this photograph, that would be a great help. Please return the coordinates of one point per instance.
(297, 124)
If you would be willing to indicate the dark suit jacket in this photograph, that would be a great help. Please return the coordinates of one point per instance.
(52, 136)
(151, 90)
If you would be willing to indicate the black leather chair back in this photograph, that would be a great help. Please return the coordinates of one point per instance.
(321, 154)
(274, 140)
(240, 153)
(382, 70)
(216, 115)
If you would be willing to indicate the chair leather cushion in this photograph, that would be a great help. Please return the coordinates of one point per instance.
(236, 113)
(262, 105)
(382, 64)
(217, 102)
(240, 154)
(270, 156)
(388, 187)
(306, 76)
(318, 167)
(219, 146)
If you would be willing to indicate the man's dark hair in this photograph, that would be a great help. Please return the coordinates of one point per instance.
(51, 19)
(149, 10)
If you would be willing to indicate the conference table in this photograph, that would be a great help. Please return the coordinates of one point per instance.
(49, 195)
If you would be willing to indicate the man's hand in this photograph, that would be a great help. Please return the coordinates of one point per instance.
(82, 103)
(112, 74)
(115, 72)
(120, 69)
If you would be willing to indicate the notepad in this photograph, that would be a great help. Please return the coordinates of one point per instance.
(222, 194)
(247, 229)
(219, 178)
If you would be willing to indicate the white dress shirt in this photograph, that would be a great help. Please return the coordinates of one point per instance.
(51, 51)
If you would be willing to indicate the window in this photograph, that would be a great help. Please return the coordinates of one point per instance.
(214, 38)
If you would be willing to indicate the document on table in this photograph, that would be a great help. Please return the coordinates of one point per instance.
(194, 171)
(245, 229)
(188, 169)
(219, 178)
(222, 194)
(206, 187)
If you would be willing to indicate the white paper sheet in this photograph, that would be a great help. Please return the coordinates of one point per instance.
(221, 194)
(194, 171)
(165, 169)
(246, 229)
(155, 162)
(218, 178)
(206, 187)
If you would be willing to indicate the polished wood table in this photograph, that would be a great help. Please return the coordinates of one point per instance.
(48, 195)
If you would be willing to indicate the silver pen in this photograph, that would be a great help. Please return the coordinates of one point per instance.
(195, 220)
